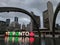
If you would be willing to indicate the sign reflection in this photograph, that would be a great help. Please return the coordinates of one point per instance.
(19, 40)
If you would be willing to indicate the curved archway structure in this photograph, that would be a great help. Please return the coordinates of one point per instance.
(55, 15)
(14, 9)
(54, 21)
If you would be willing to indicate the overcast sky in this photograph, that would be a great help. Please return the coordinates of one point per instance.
(37, 6)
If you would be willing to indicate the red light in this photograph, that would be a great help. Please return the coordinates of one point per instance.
(31, 39)
(31, 34)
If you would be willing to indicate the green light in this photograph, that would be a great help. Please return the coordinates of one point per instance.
(11, 33)
(10, 38)
(17, 33)
(16, 39)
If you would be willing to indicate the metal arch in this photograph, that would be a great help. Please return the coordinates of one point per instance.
(54, 21)
(14, 9)
(3, 21)
(55, 15)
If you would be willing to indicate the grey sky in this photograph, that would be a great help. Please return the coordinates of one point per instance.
(37, 6)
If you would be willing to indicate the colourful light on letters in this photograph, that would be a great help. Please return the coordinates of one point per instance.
(17, 33)
(31, 34)
(11, 33)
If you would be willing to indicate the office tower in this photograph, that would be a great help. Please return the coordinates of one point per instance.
(3, 26)
(48, 16)
(20, 26)
(16, 19)
(23, 27)
(37, 18)
(30, 27)
(50, 13)
(8, 21)
(46, 19)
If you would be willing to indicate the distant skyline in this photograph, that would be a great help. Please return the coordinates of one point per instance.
(37, 6)
(22, 18)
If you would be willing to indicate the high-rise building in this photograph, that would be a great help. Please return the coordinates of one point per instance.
(50, 13)
(20, 26)
(46, 19)
(23, 27)
(14, 26)
(37, 18)
(3, 26)
(48, 16)
(30, 27)
(16, 19)
(8, 21)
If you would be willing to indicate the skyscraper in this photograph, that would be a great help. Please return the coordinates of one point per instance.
(16, 19)
(20, 26)
(3, 26)
(48, 16)
(30, 27)
(46, 19)
(37, 18)
(23, 27)
(7, 21)
(50, 13)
